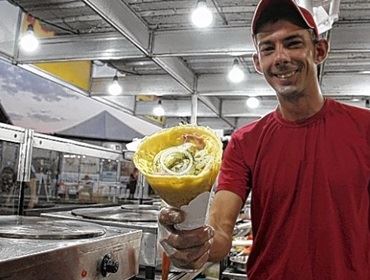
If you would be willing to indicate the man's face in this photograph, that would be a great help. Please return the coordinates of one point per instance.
(287, 57)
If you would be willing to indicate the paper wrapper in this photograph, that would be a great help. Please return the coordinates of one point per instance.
(195, 212)
(179, 190)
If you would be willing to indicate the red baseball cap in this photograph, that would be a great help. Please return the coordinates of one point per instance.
(301, 12)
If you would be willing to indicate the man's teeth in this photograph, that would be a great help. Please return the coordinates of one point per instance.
(285, 76)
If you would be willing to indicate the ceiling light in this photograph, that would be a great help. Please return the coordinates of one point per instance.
(114, 88)
(158, 109)
(202, 16)
(236, 75)
(29, 42)
(253, 102)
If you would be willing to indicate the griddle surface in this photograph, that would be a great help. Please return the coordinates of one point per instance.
(117, 214)
(22, 227)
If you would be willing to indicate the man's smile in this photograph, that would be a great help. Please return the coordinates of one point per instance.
(285, 75)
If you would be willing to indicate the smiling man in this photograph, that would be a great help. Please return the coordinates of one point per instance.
(307, 163)
(288, 52)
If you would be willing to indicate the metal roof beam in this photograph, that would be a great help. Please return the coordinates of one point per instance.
(150, 85)
(79, 47)
(179, 108)
(217, 85)
(238, 108)
(130, 26)
(140, 85)
(228, 41)
(223, 41)
(178, 70)
(166, 45)
(213, 122)
(237, 41)
(211, 102)
(124, 20)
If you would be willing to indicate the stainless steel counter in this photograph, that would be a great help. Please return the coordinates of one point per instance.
(59, 254)
(149, 255)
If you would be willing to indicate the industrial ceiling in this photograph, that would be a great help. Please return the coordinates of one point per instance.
(158, 52)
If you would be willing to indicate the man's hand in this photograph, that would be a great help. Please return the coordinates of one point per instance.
(187, 249)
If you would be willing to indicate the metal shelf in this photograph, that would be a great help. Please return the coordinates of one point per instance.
(230, 274)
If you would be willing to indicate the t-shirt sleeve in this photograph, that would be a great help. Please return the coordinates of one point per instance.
(235, 174)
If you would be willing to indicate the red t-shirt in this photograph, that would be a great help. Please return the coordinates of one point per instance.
(311, 190)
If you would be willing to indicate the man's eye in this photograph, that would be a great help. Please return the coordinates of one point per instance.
(294, 44)
(266, 49)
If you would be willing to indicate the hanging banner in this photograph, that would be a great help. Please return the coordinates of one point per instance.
(76, 73)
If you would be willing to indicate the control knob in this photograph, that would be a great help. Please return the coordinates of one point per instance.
(108, 265)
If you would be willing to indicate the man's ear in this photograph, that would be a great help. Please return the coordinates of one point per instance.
(256, 63)
(321, 51)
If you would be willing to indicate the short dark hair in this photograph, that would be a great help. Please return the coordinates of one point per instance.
(275, 13)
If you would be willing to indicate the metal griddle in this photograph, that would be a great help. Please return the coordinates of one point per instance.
(60, 249)
(136, 207)
(116, 214)
(22, 227)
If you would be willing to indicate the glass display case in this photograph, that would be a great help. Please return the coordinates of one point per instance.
(40, 171)
(85, 179)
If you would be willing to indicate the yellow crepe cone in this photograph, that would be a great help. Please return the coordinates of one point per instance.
(179, 189)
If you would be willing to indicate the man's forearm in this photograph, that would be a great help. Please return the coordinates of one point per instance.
(221, 246)
(223, 219)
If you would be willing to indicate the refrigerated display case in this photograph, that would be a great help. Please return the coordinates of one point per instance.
(39, 171)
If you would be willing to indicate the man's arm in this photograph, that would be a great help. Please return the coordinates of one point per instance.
(224, 211)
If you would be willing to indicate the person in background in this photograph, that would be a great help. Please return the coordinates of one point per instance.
(8, 187)
(8, 179)
(307, 163)
(132, 182)
(32, 185)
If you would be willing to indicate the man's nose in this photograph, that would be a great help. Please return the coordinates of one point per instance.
(281, 56)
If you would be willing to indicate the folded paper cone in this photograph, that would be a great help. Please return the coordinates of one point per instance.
(195, 212)
(180, 163)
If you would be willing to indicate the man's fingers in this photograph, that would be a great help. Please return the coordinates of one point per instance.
(193, 258)
(171, 216)
(191, 238)
(190, 255)
(189, 248)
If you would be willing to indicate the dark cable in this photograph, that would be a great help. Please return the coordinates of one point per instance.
(44, 21)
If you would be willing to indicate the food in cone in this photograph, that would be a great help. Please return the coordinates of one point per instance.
(180, 162)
